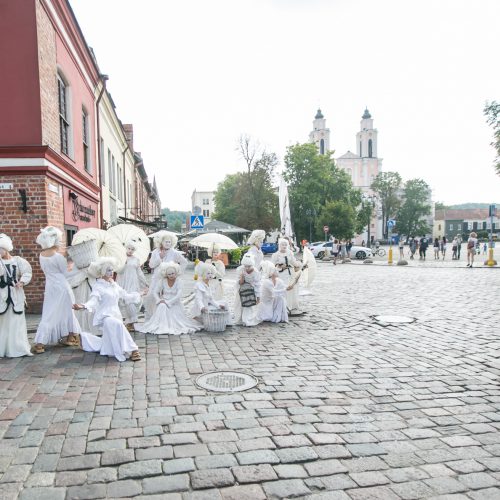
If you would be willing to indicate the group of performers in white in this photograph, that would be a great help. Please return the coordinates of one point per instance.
(84, 306)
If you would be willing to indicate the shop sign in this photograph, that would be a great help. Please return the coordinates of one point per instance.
(82, 212)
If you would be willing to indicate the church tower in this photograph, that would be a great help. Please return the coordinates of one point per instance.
(366, 138)
(320, 135)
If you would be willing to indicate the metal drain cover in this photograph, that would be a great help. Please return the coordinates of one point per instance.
(394, 319)
(226, 381)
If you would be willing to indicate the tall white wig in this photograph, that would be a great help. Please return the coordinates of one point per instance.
(268, 269)
(213, 248)
(248, 260)
(97, 269)
(203, 268)
(165, 236)
(257, 235)
(168, 266)
(6, 242)
(49, 237)
(281, 241)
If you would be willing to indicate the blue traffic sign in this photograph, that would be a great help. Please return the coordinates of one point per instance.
(197, 221)
(391, 223)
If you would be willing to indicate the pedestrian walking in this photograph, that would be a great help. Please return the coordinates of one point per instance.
(436, 248)
(348, 248)
(443, 247)
(413, 247)
(471, 248)
(459, 246)
(422, 247)
(454, 245)
(335, 251)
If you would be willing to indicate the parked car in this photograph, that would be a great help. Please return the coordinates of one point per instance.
(357, 252)
(269, 248)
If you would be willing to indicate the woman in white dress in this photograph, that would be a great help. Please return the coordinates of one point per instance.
(272, 305)
(169, 317)
(203, 298)
(131, 278)
(15, 274)
(288, 267)
(58, 323)
(216, 284)
(116, 340)
(165, 251)
(255, 241)
(246, 311)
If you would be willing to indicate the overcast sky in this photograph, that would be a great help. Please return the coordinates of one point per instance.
(194, 75)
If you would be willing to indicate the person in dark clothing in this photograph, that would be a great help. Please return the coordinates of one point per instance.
(424, 243)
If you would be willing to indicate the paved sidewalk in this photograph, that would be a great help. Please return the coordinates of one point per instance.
(345, 408)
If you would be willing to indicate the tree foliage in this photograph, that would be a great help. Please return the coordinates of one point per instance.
(492, 113)
(314, 181)
(387, 186)
(340, 217)
(248, 199)
(410, 219)
(175, 218)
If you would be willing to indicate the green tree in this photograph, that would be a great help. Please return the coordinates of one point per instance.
(387, 186)
(410, 219)
(492, 113)
(313, 181)
(175, 218)
(439, 205)
(340, 217)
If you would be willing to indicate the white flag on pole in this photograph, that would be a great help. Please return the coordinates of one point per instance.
(286, 221)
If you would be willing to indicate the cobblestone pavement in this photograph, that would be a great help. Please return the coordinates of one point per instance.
(345, 408)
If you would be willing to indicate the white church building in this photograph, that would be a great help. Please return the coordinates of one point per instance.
(362, 166)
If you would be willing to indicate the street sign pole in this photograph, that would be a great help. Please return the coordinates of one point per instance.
(491, 260)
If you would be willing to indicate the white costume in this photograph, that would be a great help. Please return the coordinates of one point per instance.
(272, 305)
(216, 284)
(116, 340)
(131, 279)
(247, 316)
(165, 242)
(13, 330)
(58, 319)
(81, 284)
(203, 298)
(286, 263)
(169, 316)
(255, 240)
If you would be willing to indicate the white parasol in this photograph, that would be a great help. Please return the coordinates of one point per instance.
(208, 239)
(308, 266)
(107, 244)
(129, 232)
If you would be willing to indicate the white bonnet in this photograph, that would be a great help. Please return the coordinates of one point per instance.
(162, 236)
(49, 237)
(257, 234)
(6, 242)
(248, 260)
(98, 267)
(131, 244)
(165, 266)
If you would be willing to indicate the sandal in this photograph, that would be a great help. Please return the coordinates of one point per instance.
(136, 356)
(38, 349)
(65, 342)
(130, 327)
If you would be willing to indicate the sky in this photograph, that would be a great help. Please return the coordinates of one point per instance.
(192, 76)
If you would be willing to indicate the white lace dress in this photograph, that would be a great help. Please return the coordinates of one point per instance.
(286, 262)
(13, 330)
(246, 316)
(257, 255)
(216, 284)
(58, 318)
(169, 317)
(116, 340)
(272, 306)
(131, 279)
(81, 284)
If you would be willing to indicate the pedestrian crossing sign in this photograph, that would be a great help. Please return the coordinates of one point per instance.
(197, 221)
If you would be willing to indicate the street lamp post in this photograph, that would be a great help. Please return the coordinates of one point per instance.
(370, 199)
(311, 213)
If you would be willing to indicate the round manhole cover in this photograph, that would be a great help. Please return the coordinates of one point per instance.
(226, 381)
(394, 319)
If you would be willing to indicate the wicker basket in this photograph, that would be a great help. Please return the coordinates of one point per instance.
(83, 253)
(214, 320)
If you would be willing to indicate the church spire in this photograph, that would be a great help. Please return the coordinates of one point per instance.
(320, 135)
(366, 114)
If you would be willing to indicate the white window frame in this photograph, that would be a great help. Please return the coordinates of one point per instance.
(67, 117)
(86, 142)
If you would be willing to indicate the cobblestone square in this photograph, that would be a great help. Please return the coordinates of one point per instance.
(345, 408)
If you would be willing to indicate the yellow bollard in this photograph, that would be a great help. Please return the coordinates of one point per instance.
(491, 260)
(196, 262)
(389, 260)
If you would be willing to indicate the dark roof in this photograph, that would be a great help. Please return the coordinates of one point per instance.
(461, 214)
(319, 114)
(366, 114)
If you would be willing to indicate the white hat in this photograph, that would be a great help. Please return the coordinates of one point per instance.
(6, 242)
(257, 234)
(247, 260)
(162, 236)
(49, 237)
(98, 268)
(165, 266)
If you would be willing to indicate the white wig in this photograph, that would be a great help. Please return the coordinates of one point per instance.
(283, 240)
(257, 235)
(6, 242)
(166, 266)
(213, 248)
(133, 245)
(203, 268)
(49, 237)
(97, 269)
(268, 269)
(165, 236)
(248, 260)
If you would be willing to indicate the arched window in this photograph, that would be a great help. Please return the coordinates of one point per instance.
(322, 147)
(360, 148)
(370, 149)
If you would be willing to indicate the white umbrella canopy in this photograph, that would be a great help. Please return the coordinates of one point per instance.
(208, 239)
(107, 244)
(129, 232)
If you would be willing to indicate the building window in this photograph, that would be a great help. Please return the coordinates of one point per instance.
(206, 213)
(451, 227)
(322, 147)
(70, 233)
(64, 128)
(360, 148)
(484, 225)
(439, 227)
(86, 140)
(113, 173)
(119, 182)
(370, 149)
(101, 161)
(206, 201)
(110, 171)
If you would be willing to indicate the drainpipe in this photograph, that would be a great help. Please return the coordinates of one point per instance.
(124, 180)
(104, 78)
